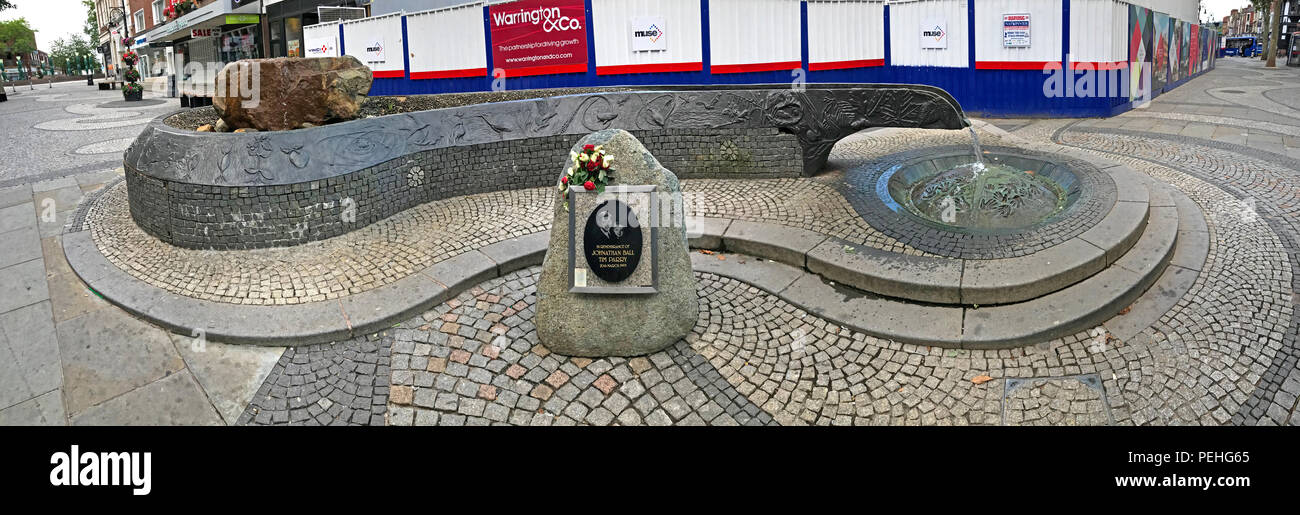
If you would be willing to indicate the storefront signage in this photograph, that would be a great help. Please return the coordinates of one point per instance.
(647, 33)
(202, 33)
(1015, 30)
(533, 37)
(934, 33)
(241, 19)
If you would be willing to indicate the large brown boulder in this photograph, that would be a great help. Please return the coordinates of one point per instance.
(283, 93)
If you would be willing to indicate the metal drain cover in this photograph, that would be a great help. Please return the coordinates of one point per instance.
(1056, 401)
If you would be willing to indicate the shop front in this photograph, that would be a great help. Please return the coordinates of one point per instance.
(286, 19)
(204, 41)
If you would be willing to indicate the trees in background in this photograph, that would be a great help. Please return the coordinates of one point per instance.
(17, 38)
(69, 53)
(1263, 9)
(91, 28)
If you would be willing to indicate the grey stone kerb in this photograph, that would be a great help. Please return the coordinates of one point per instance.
(818, 116)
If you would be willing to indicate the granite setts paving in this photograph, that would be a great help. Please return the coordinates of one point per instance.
(476, 360)
(403, 244)
(360, 261)
(343, 383)
(1198, 365)
(1224, 353)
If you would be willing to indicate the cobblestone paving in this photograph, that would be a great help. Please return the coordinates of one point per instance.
(331, 384)
(752, 358)
(414, 239)
(1068, 401)
(1242, 307)
(371, 257)
(476, 361)
(1224, 354)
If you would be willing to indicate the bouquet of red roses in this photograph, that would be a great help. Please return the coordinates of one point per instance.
(591, 169)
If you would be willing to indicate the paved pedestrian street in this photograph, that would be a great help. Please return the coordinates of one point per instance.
(1212, 340)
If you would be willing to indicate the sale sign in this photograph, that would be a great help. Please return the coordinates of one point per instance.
(539, 37)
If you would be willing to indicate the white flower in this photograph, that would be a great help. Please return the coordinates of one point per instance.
(582, 157)
(608, 160)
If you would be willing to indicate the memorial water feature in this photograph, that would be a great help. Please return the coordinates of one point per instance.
(992, 231)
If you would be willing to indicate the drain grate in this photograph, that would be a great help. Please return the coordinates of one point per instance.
(1066, 400)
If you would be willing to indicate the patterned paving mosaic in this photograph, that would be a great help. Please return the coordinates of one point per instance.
(757, 359)
(368, 258)
(476, 360)
(396, 247)
(1241, 311)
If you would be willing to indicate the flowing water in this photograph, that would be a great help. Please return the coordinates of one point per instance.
(975, 146)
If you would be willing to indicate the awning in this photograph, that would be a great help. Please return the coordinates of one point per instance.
(209, 16)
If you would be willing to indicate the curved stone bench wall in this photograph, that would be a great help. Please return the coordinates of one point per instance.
(256, 190)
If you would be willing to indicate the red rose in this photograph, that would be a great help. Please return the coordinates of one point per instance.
(589, 185)
(564, 180)
(589, 147)
(591, 165)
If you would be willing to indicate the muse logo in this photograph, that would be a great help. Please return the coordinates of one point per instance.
(653, 33)
(934, 33)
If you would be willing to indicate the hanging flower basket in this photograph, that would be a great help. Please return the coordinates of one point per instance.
(130, 57)
(132, 92)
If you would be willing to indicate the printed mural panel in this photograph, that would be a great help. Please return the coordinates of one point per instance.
(1160, 33)
(1176, 51)
(1140, 55)
(1194, 57)
(1184, 49)
(1207, 42)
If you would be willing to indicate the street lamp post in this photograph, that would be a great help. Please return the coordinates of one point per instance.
(114, 14)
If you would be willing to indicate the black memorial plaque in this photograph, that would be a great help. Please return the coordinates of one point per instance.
(612, 241)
